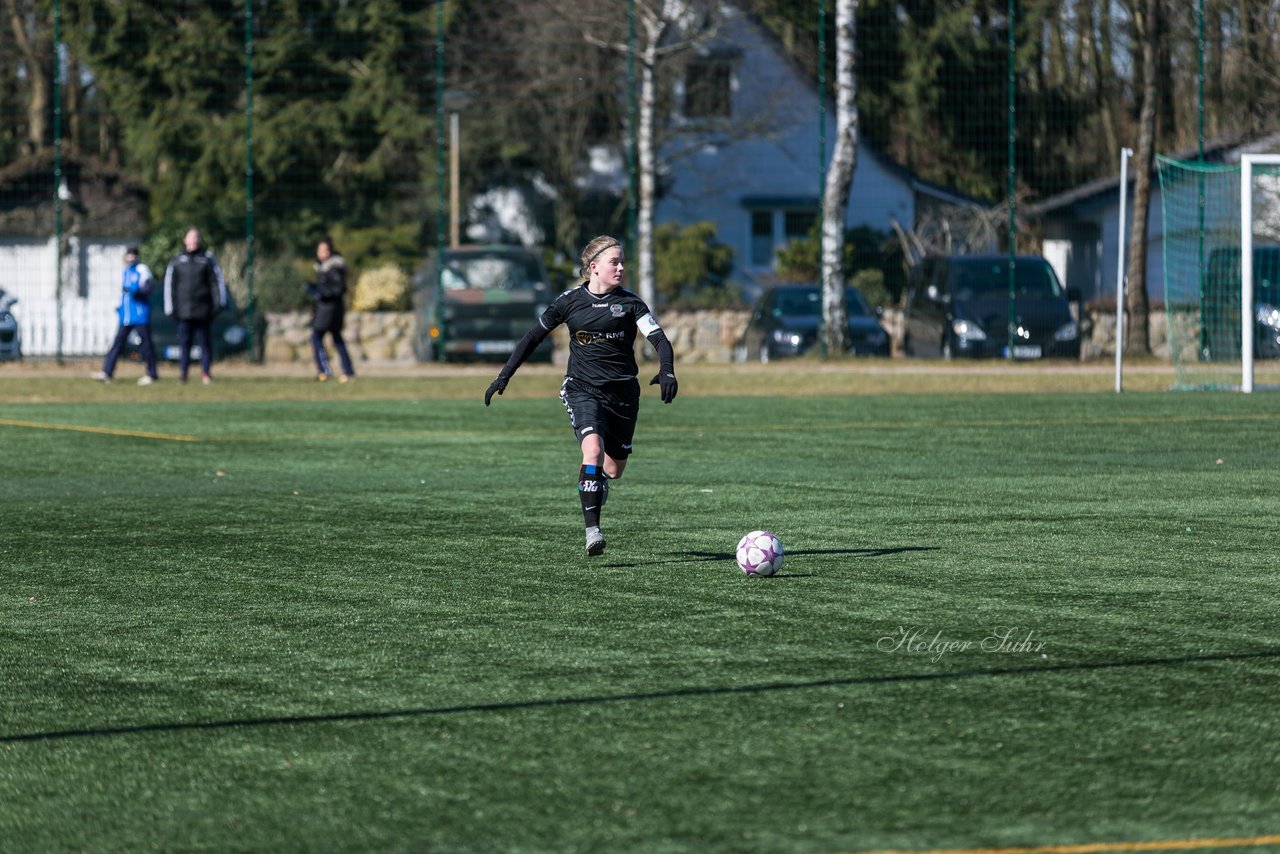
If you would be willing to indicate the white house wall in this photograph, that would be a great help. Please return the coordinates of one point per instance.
(91, 288)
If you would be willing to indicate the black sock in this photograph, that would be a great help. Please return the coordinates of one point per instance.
(591, 491)
(604, 489)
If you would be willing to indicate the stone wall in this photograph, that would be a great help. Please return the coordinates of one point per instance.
(697, 336)
(371, 336)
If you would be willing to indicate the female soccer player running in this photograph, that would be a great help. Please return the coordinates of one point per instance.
(600, 390)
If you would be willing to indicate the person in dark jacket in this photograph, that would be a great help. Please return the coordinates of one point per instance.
(194, 291)
(134, 313)
(329, 290)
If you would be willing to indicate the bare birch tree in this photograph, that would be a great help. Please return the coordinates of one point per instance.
(835, 200)
(665, 28)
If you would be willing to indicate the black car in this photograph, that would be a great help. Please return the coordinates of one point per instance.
(10, 332)
(785, 323)
(1219, 308)
(959, 306)
(228, 334)
(480, 304)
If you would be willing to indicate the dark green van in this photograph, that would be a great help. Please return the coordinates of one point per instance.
(480, 304)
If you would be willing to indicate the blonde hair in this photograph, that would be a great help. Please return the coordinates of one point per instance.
(594, 250)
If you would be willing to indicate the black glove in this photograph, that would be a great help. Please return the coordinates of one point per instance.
(499, 385)
(667, 382)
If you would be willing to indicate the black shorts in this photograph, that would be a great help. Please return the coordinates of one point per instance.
(607, 410)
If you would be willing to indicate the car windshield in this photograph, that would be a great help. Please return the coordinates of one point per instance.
(502, 272)
(807, 302)
(972, 280)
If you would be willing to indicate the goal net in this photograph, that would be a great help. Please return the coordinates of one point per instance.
(1221, 255)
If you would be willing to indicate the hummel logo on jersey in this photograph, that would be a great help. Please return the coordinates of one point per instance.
(585, 430)
(599, 305)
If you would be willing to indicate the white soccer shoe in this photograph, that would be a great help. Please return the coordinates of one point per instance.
(595, 542)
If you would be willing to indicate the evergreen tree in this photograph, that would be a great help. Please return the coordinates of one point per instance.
(341, 122)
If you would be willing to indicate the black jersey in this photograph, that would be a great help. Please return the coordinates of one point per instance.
(602, 332)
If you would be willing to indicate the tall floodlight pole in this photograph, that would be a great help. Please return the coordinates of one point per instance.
(822, 108)
(632, 144)
(248, 179)
(822, 148)
(1200, 196)
(57, 172)
(1200, 79)
(455, 181)
(441, 202)
(1013, 178)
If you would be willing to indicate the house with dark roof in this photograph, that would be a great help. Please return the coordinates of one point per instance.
(749, 158)
(1081, 227)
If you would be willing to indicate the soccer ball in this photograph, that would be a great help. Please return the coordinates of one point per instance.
(760, 553)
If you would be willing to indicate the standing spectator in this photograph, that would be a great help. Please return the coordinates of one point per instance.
(194, 291)
(328, 290)
(134, 313)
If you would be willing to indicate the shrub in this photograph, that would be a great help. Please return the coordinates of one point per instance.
(871, 284)
(384, 288)
(865, 251)
(692, 267)
(279, 283)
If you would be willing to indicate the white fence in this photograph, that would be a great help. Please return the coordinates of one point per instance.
(90, 293)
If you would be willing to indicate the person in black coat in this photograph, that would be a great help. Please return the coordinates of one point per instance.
(329, 290)
(194, 291)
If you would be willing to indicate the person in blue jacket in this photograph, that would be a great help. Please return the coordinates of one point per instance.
(134, 313)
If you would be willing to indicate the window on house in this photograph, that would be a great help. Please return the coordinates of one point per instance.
(772, 228)
(708, 87)
(761, 238)
(797, 225)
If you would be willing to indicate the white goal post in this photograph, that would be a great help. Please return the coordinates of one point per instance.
(1247, 162)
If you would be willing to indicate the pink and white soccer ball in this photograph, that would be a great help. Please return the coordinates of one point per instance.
(760, 553)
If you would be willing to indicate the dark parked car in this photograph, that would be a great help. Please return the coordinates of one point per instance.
(228, 334)
(10, 332)
(959, 306)
(786, 319)
(1220, 313)
(481, 304)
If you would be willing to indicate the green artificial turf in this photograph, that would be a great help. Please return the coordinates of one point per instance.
(367, 623)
